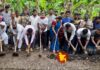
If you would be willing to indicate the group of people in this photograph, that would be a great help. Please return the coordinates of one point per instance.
(51, 32)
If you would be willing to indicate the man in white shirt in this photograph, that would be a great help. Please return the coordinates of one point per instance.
(43, 23)
(3, 34)
(16, 30)
(34, 22)
(69, 33)
(51, 18)
(7, 16)
(83, 36)
(28, 34)
(34, 19)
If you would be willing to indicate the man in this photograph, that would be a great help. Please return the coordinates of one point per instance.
(3, 33)
(77, 19)
(16, 30)
(7, 17)
(96, 23)
(24, 18)
(95, 38)
(17, 16)
(43, 23)
(28, 35)
(83, 36)
(34, 22)
(89, 23)
(62, 14)
(34, 19)
(69, 33)
(51, 18)
(67, 17)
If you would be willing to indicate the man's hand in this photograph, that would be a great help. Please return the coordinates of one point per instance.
(84, 48)
(69, 43)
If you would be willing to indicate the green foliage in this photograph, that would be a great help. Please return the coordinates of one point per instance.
(82, 6)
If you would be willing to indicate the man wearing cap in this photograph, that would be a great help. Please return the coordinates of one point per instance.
(69, 33)
(83, 36)
(3, 34)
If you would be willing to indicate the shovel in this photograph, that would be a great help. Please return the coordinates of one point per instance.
(1, 53)
(15, 54)
(40, 46)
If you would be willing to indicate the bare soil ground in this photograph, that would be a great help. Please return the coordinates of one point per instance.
(33, 62)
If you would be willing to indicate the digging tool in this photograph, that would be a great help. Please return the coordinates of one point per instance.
(55, 43)
(1, 53)
(40, 46)
(28, 50)
(15, 54)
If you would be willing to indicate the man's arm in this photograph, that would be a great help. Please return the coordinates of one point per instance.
(73, 32)
(92, 38)
(33, 36)
(80, 43)
(88, 38)
(26, 40)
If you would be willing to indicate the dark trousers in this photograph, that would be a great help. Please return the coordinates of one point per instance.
(79, 48)
(44, 39)
(37, 39)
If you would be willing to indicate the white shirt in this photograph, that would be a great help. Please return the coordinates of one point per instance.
(17, 19)
(24, 34)
(89, 24)
(17, 31)
(34, 21)
(7, 18)
(43, 22)
(79, 33)
(51, 18)
(72, 32)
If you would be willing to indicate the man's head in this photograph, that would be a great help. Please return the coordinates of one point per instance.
(77, 16)
(42, 13)
(35, 12)
(51, 12)
(58, 18)
(97, 19)
(68, 27)
(98, 31)
(62, 14)
(7, 8)
(29, 31)
(67, 13)
(85, 31)
(17, 13)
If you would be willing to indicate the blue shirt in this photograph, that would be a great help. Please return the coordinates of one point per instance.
(96, 26)
(68, 19)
